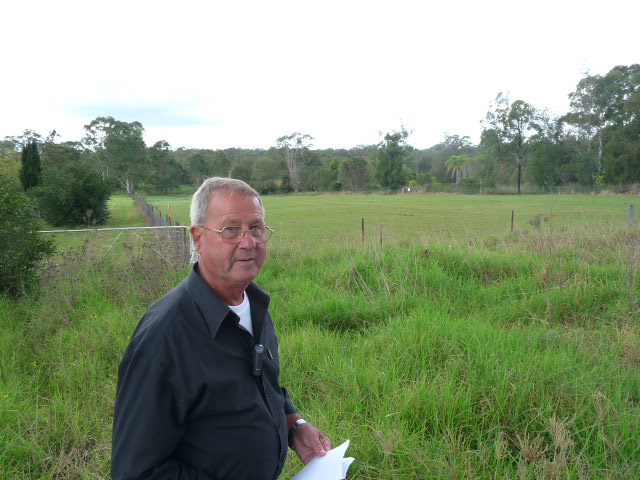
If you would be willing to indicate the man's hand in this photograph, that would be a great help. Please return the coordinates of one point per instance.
(309, 443)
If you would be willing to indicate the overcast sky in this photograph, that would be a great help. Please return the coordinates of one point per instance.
(218, 74)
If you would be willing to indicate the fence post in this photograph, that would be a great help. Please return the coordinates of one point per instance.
(512, 217)
(362, 228)
(631, 215)
(381, 229)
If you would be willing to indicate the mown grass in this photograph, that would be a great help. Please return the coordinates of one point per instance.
(501, 356)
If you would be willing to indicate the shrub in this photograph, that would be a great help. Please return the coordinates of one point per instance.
(21, 247)
(73, 195)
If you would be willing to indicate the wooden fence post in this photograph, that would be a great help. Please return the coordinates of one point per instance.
(362, 228)
(512, 217)
(631, 215)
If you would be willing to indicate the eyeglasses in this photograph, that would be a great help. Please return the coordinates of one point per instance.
(260, 234)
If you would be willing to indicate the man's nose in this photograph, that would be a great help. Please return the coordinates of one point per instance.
(247, 240)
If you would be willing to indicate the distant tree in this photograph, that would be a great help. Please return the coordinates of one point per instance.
(458, 165)
(10, 164)
(198, 167)
(220, 164)
(599, 105)
(392, 154)
(20, 142)
(243, 169)
(295, 148)
(165, 174)
(59, 154)
(21, 247)
(514, 123)
(268, 171)
(354, 174)
(74, 194)
(31, 171)
(120, 149)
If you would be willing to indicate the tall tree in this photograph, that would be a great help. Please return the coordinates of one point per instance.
(31, 171)
(393, 151)
(165, 172)
(120, 149)
(515, 123)
(353, 173)
(295, 151)
(601, 108)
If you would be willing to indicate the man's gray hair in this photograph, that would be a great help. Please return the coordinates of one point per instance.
(200, 200)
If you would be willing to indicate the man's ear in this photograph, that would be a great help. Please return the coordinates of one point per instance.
(196, 235)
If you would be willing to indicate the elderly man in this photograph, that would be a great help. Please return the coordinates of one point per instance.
(198, 391)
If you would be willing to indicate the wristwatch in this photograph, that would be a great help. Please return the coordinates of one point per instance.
(294, 428)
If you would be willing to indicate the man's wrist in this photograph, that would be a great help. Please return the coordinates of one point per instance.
(294, 428)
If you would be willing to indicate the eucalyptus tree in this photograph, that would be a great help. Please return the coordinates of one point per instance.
(353, 173)
(295, 151)
(165, 174)
(120, 149)
(602, 106)
(514, 123)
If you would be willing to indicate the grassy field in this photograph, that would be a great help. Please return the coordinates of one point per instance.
(453, 353)
(312, 220)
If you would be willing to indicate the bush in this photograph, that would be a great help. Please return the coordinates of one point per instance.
(21, 248)
(73, 195)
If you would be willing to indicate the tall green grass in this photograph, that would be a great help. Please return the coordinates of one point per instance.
(502, 356)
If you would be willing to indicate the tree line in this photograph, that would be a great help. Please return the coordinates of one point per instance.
(596, 143)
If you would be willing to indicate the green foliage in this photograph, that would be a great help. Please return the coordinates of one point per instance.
(31, 171)
(392, 153)
(21, 247)
(73, 195)
(120, 149)
(165, 174)
(354, 174)
(295, 150)
(10, 163)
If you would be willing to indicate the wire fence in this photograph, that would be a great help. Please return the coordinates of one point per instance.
(170, 244)
(460, 227)
(163, 238)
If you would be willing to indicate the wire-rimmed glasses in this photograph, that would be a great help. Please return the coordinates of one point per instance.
(233, 234)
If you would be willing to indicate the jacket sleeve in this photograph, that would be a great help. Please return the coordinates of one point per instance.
(149, 417)
(289, 407)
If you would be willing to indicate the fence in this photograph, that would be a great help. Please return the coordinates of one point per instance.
(164, 238)
(171, 244)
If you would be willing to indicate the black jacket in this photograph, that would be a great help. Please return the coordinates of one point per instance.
(188, 405)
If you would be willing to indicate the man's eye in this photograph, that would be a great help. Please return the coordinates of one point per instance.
(233, 229)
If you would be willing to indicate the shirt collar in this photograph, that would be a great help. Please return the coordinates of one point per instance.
(214, 310)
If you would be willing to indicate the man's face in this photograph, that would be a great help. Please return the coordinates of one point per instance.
(230, 268)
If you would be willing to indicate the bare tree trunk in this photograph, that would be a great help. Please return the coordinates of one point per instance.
(292, 166)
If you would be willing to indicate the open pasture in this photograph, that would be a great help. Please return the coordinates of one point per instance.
(474, 353)
(309, 221)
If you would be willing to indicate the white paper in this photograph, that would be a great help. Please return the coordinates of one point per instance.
(333, 466)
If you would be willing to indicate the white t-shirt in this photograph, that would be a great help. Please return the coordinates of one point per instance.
(244, 312)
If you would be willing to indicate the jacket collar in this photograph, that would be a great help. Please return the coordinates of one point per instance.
(214, 310)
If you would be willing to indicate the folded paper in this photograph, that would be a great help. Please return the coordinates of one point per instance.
(333, 466)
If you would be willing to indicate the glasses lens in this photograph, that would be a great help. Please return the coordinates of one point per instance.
(232, 234)
(236, 234)
(259, 234)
